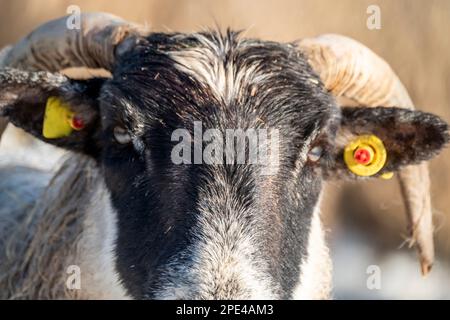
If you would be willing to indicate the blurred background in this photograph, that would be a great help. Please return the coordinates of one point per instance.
(365, 221)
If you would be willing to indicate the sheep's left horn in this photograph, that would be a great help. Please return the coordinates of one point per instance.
(351, 70)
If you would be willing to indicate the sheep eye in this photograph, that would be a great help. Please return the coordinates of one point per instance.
(315, 154)
(121, 135)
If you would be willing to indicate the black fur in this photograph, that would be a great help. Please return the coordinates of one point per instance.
(155, 194)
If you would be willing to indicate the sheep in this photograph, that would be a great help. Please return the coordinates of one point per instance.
(140, 226)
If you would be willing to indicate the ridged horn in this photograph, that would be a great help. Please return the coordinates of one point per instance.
(54, 46)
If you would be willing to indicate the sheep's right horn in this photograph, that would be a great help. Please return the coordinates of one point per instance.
(54, 46)
(351, 70)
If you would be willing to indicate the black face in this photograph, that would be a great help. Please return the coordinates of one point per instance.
(162, 205)
(213, 230)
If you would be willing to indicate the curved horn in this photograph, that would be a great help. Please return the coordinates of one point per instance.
(351, 70)
(54, 46)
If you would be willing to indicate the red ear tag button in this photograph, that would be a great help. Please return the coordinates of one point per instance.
(362, 156)
(77, 123)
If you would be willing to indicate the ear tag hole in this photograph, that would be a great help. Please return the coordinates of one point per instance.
(366, 156)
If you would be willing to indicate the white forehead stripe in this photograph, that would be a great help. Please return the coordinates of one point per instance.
(206, 64)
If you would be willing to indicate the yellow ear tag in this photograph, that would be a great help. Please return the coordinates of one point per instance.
(366, 156)
(57, 119)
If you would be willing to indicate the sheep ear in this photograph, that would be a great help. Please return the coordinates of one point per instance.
(51, 107)
(378, 141)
